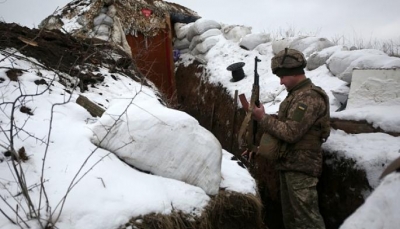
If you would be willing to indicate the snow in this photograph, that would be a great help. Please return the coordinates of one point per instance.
(380, 210)
(342, 63)
(146, 134)
(113, 192)
(371, 152)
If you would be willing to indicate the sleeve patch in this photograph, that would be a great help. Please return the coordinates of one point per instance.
(299, 112)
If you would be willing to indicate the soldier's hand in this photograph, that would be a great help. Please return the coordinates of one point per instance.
(258, 112)
(248, 155)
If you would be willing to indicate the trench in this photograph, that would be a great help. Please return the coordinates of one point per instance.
(341, 186)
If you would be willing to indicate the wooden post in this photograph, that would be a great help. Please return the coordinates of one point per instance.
(234, 118)
(212, 117)
(94, 109)
(171, 89)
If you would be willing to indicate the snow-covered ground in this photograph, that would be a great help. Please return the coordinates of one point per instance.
(113, 192)
(332, 67)
(101, 188)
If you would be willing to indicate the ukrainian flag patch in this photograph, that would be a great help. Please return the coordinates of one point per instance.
(298, 114)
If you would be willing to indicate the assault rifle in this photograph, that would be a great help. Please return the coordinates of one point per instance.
(249, 124)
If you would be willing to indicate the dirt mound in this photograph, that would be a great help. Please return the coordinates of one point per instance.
(55, 50)
(78, 57)
(217, 111)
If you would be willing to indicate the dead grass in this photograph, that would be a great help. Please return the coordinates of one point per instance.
(388, 46)
(227, 210)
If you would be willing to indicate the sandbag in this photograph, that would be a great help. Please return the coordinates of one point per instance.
(250, 41)
(309, 45)
(235, 32)
(102, 30)
(133, 139)
(207, 44)
(342, 63)
(181, 29)
(200, 26)
(318, 59)
(281, 44)
(103, 19)
(202, 37)
(269, 147)
(181, 43)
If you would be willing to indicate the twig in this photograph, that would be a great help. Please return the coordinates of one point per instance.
(15, 211)
(102, 181)
(73, 183)
(12, 221)
(47, 149)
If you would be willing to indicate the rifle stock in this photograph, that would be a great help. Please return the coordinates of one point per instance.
(248, 123)
(255, 101)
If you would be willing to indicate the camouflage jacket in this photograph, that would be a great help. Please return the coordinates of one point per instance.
(302, 126)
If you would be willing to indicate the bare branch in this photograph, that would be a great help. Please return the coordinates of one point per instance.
(12, 221)
(76, 180)
(15, 211)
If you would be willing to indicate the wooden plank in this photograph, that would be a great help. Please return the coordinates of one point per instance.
(357, 127)
(94, 109)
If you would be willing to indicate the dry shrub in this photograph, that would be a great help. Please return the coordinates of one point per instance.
(227, 210)
(230, 210)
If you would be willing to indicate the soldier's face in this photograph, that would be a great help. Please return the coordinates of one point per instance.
(288, 81)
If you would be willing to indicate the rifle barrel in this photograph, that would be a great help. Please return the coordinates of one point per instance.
(256, 79)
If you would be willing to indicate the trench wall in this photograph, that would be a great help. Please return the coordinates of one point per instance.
(341, 186)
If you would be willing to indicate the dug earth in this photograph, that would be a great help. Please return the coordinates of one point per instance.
(341, 188)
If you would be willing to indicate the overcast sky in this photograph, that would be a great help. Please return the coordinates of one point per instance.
(366, 19)
(363, 18)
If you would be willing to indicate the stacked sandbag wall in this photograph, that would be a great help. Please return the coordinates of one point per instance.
(197, 38)
(339, 59)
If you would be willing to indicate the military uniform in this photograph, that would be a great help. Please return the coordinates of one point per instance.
(301, 119)
(302, 126)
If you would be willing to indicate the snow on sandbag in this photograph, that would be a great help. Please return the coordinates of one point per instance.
(118, 36)
(194, 51)
(374, 87)
(201, 58)
(264, 49)
(103, 19)
(235, 32)
(194, 42)
(318, 59)
(309, 45)
(250, 41)
(342, 63)
(111, 11)
(280, 44)
(160, 140)
(200, 26)
(341, 94)
(181, 43)
(202, 37)
(181, 29)
(380, 209)
(207, 44)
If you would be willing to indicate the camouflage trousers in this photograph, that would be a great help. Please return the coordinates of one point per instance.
(299, 199)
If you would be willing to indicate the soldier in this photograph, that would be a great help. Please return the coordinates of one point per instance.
(301, 128)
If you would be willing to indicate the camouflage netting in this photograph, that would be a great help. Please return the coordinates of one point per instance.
(129, 13)
(75, 58)
(67, 55)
